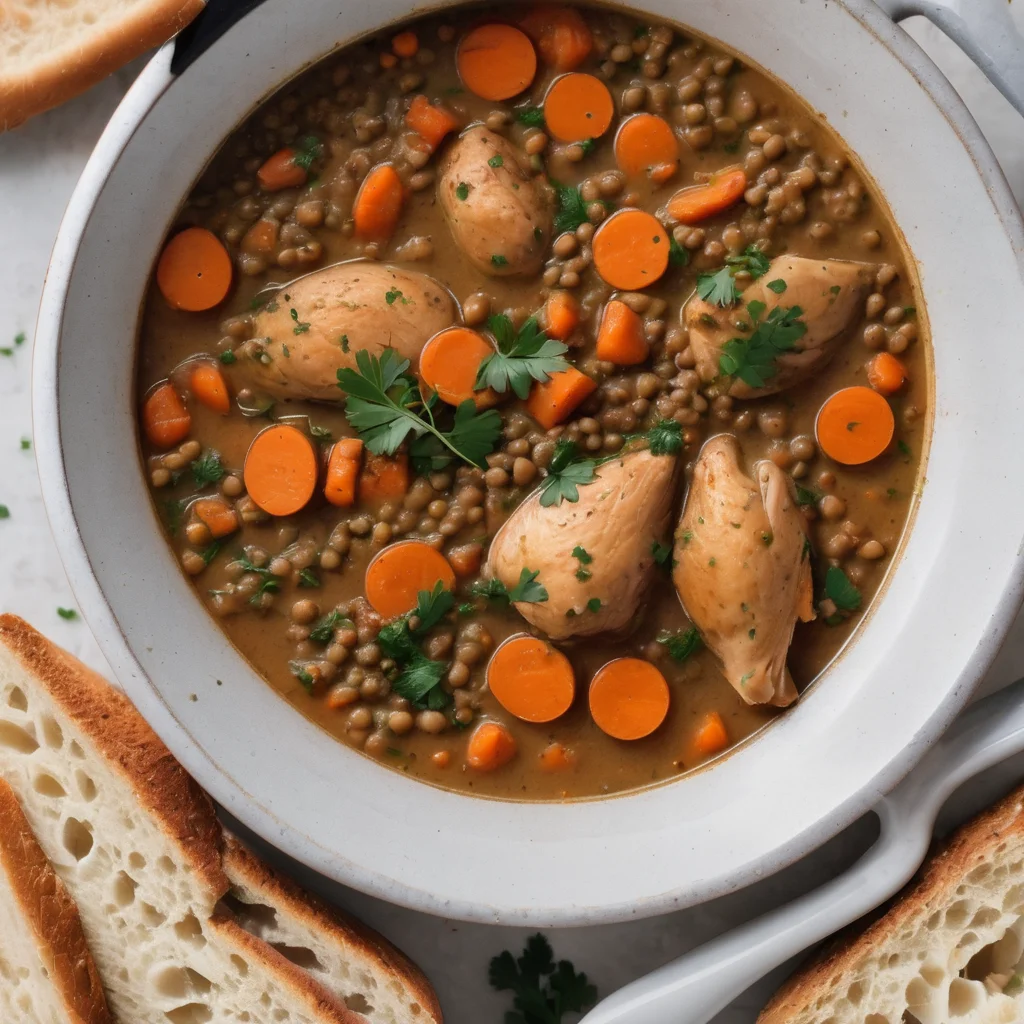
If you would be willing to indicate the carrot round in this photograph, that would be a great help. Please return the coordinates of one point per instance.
(561, 315)
(560, 34)
(621, 339)
(578, 107)
(698, 202)
(194, 272)
(281, 171)
(886, 374)
(280, 470)
(405, 44)
(631, 250)
(628, 698)
(449, 363)
(209, 387)
(496, 61)
(260, 238)
(553, 400)
(378, 204)
(556, 758)
(384, 478)
(646, 144)
(855, 426)
(396, 576)
(431, 123)
(217, 515)
(165, 420)
(343, 465)
(531, 680)
(490, 747)
(711, 736)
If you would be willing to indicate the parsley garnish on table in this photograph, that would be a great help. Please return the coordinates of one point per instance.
(752, 359)
(543, 990)
(526, 591)
(385, 406)
(720, 288)
(68, 614)
(523, 356)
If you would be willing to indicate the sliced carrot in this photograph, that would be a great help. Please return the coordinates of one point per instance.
(561, 315)
(466, 558)
(406, 44)
(378, 204)
(384, 478)
(388, 60)
(646, 144)
(556, 758)
(496, 61)
(396, 576)
(194, 272)
(531, 679)
(165, 420)
(280, 470)
(260, 238)
(343, 465)
(281, 171)
(431, 123)
(621, 339)
(209, 387)
(449, 364)
(490, 747)
(631, 249)
(217, 515)
(698, 202)
(553, 401)
(855, 426)
(628, 698)
(886, 374)
(578, 107)
(711, 736)
(561, 36)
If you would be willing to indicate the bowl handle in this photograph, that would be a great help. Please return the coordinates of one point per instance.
(983, 29)
(693, 988)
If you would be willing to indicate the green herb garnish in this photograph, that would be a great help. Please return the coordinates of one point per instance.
(543, 991)
(752, 359)
(566, 473)
(584, 558)
(228, 357)
(662, 554)
(300, 325)
(533, 117)
(719, 288)
(682, 644)
(207, 469)
(677, 255)
(842, 592)
(307, 149)
(68, 614)
(462, 191)
(526, 591)
(498, 260)
(523, 356)
(496, 161)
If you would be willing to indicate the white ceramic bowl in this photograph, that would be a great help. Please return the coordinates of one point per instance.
(913, 664)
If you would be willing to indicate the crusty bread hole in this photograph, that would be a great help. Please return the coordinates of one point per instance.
(47, 785)
(190, 1013)
(16, 699)
(18, 739)
(77, 838)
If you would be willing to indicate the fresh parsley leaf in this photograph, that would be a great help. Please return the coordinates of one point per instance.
(665, 438)
(308, 578)
(581, 555)
(496, 161)
(533, 117)
(68, 614)
(682, 644)
(904, 449)
(323, 631)
(752, 260)
(677, 255)
(523, 356)
(462, 191)
(594, 604)
(526, 591)
(662, 554)
(302, 674)
(228, 357)
(806, 496)
(300, 325)
(543, 991)
(320, 434)
(587, 145)
(719, 288)
(778, 286)
(5, 512)
(498, 260)
(393, 295)
(839, 588)
(207, 469)
(268, 585)
(571, 209)
(26, 444)
(19, 338)
(211, 552)
(308, 149)
(432, 606)
(752, 359)
(6, 351)
(566, 474)
(418, 678)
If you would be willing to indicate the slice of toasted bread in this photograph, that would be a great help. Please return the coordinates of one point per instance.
(46, 971)
(950, 948)
(51, 51)
(352, 961)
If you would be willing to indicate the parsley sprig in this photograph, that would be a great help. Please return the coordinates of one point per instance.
(523, 356)
(682, 644)
(307, 150)
(752, 359)
(268, 582)
(207, 469)
(720, 288)
(571, 210)
(841, 590)
(526, 591)
(385, 406)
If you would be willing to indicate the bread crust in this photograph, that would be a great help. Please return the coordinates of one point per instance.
(933, 888)
(263, 884)
(124, 738)
(91, 54)
(51, 915)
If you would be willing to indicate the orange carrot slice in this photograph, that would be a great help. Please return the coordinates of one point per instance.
(553, 401)
(621, 339)
(466, 558)
(496, 61)
(280, 470)
(631, 250)
(710, 738)
(165, 420)
(261, 238)
(556, 758)
(560, 34)
(388, 60)
(431, 123)
(855, 426)
(396, 576)
(628, 698)
(343, 466)
(490, 747)
(405, 44)
(698, 202)
(217, 515)
(378, 204)
(384, 478)
(886, 374)
(281, 171)
(578, 107)
(531, 680)
(449, 363)
(209, 387)
(646, 144)
(194, 272)
(561, 315)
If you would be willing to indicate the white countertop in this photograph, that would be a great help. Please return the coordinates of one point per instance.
(39, 164)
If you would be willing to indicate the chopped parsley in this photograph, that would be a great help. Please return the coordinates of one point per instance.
(308, 149)
(68, 614)
(19, 338)
(210, 552)
(662, 554)
(594, 604)
(320, 434)
(308, 578)
(526, 591)
(302, 674)
(682, 644)
(498, 260)
(720, 288)
(323, 631)
(841, 590)
(207, 469)
(806, 496)
(26, 444)
(523, 356)
(571, 210)
(532, 117)
(300, 325)
(496, 161)
(462, 191)
(584, 558)
(393, 295)
(752, 359)
(228, 357)
(665, 438)
(677, 255)
(778, 286)
(904, 449)
(587, 145)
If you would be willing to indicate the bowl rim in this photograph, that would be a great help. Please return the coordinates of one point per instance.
(145, 92)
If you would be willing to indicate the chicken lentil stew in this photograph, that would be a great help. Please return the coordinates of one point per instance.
(537, 397)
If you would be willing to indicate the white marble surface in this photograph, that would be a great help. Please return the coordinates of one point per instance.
(39, 164)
